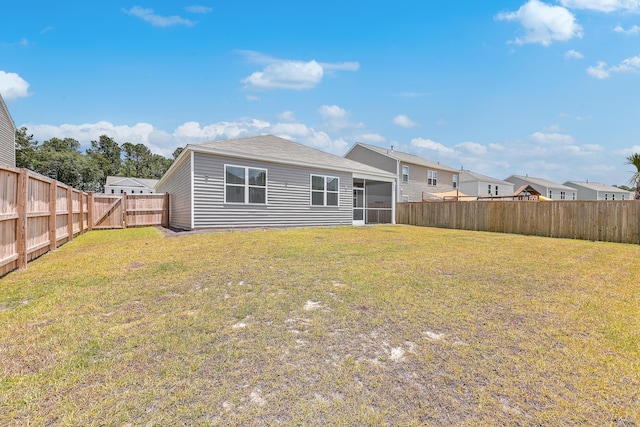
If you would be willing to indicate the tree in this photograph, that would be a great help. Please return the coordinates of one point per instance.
(105, 154)
(26, 150)
(634, 160)
(62, 160)
(177, 152)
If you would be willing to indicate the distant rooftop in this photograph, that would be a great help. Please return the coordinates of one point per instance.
(543, 182)
(596, 186)
(468, 176)
(408, 158)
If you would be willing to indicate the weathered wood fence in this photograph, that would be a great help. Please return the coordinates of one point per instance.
(38, 214)
(608, 221)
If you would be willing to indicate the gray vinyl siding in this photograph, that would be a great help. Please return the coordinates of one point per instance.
(179, 188)
(417, 188)
(371, 158)
(7, 138)
(288, 196)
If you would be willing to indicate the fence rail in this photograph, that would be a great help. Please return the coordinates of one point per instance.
(39, 214)
(609, 221)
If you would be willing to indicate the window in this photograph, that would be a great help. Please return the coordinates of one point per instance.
(613, 196)
(489, 189)
(245, 185)
(405, 173)
(623, 197)
(432, 177)
(496, 190)
(550, 194)
(563, 195)
(455, 181)
(606, 196)
(324, 190)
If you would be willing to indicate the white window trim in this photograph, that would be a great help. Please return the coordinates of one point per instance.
(432, 178)
(246, 185)
(403, 174)
(455, 181)
(324, 191)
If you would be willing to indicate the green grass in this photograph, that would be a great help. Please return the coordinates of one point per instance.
(389, 325)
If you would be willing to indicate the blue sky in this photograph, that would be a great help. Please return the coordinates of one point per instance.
(549, 89)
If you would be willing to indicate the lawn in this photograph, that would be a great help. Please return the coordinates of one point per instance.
(388, 325)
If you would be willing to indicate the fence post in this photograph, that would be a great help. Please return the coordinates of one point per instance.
(53, 210)
(81, 215)
(70, 213)
(90, 211)
(21, 223)
(165, 213)
(124, 210)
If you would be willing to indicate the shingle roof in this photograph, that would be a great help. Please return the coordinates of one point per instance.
(280, 150)
(408, 158)
(124, 181)
(596, 186)
(542, 182)
(468, 176)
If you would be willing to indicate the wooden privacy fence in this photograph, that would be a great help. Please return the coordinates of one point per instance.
(38, 214)
(608, 221)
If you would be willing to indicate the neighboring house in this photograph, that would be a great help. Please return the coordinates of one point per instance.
(121, 184)
(549, 189)
(266, 181)
(418, 178)
(475, 184)
(7, 136)
(596, 191)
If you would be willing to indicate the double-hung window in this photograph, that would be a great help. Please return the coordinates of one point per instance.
(432, 177)
(245, 185)
(324, 190)
(455, 181)
(405, 173)
(489, 189)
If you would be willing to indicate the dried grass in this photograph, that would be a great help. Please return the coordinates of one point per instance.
(387, 325)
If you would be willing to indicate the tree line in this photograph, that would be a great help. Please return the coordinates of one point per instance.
(62, 159)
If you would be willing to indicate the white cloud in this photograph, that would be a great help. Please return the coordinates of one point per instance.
(601, 71)
(149, 15)
(252, 98)
(13, 86)
(290, 74)
(337, 118)
(198, 9)
(543, 23)
(473, 147)
(371, 137)
(603, 5)
(634, 30)
(22, 42)
(496, 147)
(46, 29)
(286, 75)
(551, 138)
(287, 115)
(573, 54)
(164, 143)
(404, 121)
(433, 146)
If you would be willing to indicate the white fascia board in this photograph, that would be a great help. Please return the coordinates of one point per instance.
(360, 175)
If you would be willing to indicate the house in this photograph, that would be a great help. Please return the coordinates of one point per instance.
(549, 189)
(418, 178)
(475, 184)
(525, 192)
(7, 136)
(266, 181)
(596, 191)
(120, 184)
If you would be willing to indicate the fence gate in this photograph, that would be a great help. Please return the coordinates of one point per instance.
(108, 211)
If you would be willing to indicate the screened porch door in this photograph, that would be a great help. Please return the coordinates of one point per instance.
(358, 206)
